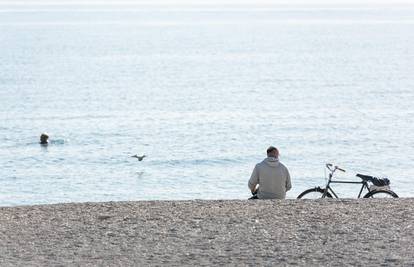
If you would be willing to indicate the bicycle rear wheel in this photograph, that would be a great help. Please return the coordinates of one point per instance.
(381, 194)
(313, 193)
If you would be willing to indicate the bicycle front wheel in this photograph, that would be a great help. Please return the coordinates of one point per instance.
(313, 193)
(381, 194)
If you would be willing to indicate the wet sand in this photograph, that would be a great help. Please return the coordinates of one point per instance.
(230, 232)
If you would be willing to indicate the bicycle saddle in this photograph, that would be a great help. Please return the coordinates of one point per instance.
(376, 181)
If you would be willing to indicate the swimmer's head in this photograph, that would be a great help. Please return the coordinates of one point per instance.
(44, 139)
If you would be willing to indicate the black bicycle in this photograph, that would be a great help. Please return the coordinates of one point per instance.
(376, 187)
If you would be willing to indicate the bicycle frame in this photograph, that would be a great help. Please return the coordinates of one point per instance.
(329, 189)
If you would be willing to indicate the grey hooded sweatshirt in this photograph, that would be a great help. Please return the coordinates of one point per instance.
(272, 177)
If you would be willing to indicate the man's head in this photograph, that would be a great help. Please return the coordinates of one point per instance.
(44, 138)
(272, 152)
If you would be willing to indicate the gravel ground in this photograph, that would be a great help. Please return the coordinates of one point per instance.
(231, 232)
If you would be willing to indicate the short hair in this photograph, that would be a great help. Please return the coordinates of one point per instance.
(271, 149)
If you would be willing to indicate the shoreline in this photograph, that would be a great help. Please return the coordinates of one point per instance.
(210, 232)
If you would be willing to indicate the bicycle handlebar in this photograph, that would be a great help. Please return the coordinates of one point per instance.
(342, 170)
(330, 165)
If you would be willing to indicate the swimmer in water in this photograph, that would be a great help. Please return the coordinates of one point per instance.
(44, 139)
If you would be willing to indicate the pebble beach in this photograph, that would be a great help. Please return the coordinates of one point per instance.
(200, 232)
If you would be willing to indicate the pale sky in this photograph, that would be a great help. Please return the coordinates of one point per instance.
(211, 2)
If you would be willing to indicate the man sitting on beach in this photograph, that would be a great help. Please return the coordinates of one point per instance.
(270, 178)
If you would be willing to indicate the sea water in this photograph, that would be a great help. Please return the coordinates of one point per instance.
(202, 90)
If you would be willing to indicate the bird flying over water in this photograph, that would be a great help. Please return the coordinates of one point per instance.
(140, 158)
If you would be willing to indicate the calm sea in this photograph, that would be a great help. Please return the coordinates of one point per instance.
(202, 90)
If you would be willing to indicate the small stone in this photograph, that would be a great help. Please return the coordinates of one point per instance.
(104, 217)
(110, 233)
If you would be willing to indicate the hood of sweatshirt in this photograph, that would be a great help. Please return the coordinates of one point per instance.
(272, 162)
